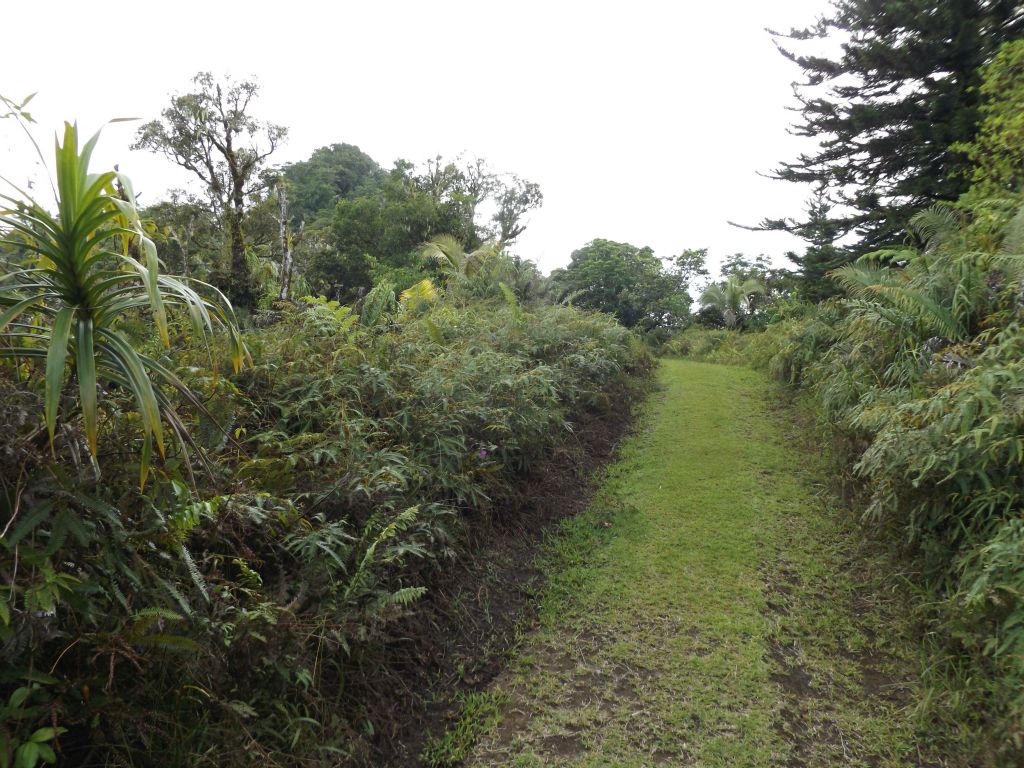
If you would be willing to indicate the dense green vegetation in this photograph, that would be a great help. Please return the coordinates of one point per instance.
(345, 223)
(915, 372)
(630, 283)
(237, 612)
(205, 566)
(248, 429)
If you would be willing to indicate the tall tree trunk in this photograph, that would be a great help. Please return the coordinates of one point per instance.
(189, 231)
(287, 244)
(241, 289)
(243, 292)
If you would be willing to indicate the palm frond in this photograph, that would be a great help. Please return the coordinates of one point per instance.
(421, 294)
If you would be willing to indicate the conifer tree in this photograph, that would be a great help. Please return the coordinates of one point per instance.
(822, 255)
(890, 109)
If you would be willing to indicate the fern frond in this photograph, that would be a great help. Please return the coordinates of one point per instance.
(403, 597)
(193, 572)
(937, 225)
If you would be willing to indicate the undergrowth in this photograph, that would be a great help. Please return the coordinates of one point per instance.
(235, 611)
(478, 714)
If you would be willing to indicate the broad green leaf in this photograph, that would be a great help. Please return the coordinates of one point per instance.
(56, 361)
(85, 365)
(27, 755)
(19, 697)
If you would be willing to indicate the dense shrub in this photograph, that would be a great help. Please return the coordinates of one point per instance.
(232, 612)
(721, 345)
(919, 375)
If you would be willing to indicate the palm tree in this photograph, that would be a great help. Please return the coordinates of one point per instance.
(458, 265)
(418, 296)
(81, 271)
(734, 298)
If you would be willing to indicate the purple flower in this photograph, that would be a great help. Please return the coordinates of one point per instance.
(482, 454)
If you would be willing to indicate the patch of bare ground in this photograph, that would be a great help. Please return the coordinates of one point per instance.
(830, 655)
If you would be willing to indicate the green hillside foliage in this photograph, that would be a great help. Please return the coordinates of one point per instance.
(997, 150)
(918, 376)
(631, 283)
(208, 564)
(915, 371)
(234, 609)
(219, 519)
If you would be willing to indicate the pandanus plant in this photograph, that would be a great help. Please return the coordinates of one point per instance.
(78, 272)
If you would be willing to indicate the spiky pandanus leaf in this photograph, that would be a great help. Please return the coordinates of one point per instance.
(77, 287)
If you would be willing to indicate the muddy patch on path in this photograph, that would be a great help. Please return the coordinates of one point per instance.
(829, 673)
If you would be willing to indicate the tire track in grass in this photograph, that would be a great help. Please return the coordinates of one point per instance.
(710, 608)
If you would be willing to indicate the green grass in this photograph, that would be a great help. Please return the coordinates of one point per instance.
(712, 607)
(479, 713)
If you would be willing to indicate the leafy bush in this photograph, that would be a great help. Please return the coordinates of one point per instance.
(233, 612)
(720, 345)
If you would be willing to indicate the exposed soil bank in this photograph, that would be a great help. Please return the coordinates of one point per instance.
(462, 632)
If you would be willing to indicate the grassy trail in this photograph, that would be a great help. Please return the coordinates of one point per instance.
(709, 609)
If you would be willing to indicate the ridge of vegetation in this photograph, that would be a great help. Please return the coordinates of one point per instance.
(245, 599)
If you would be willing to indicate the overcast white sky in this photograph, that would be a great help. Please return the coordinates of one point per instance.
(644, 122)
